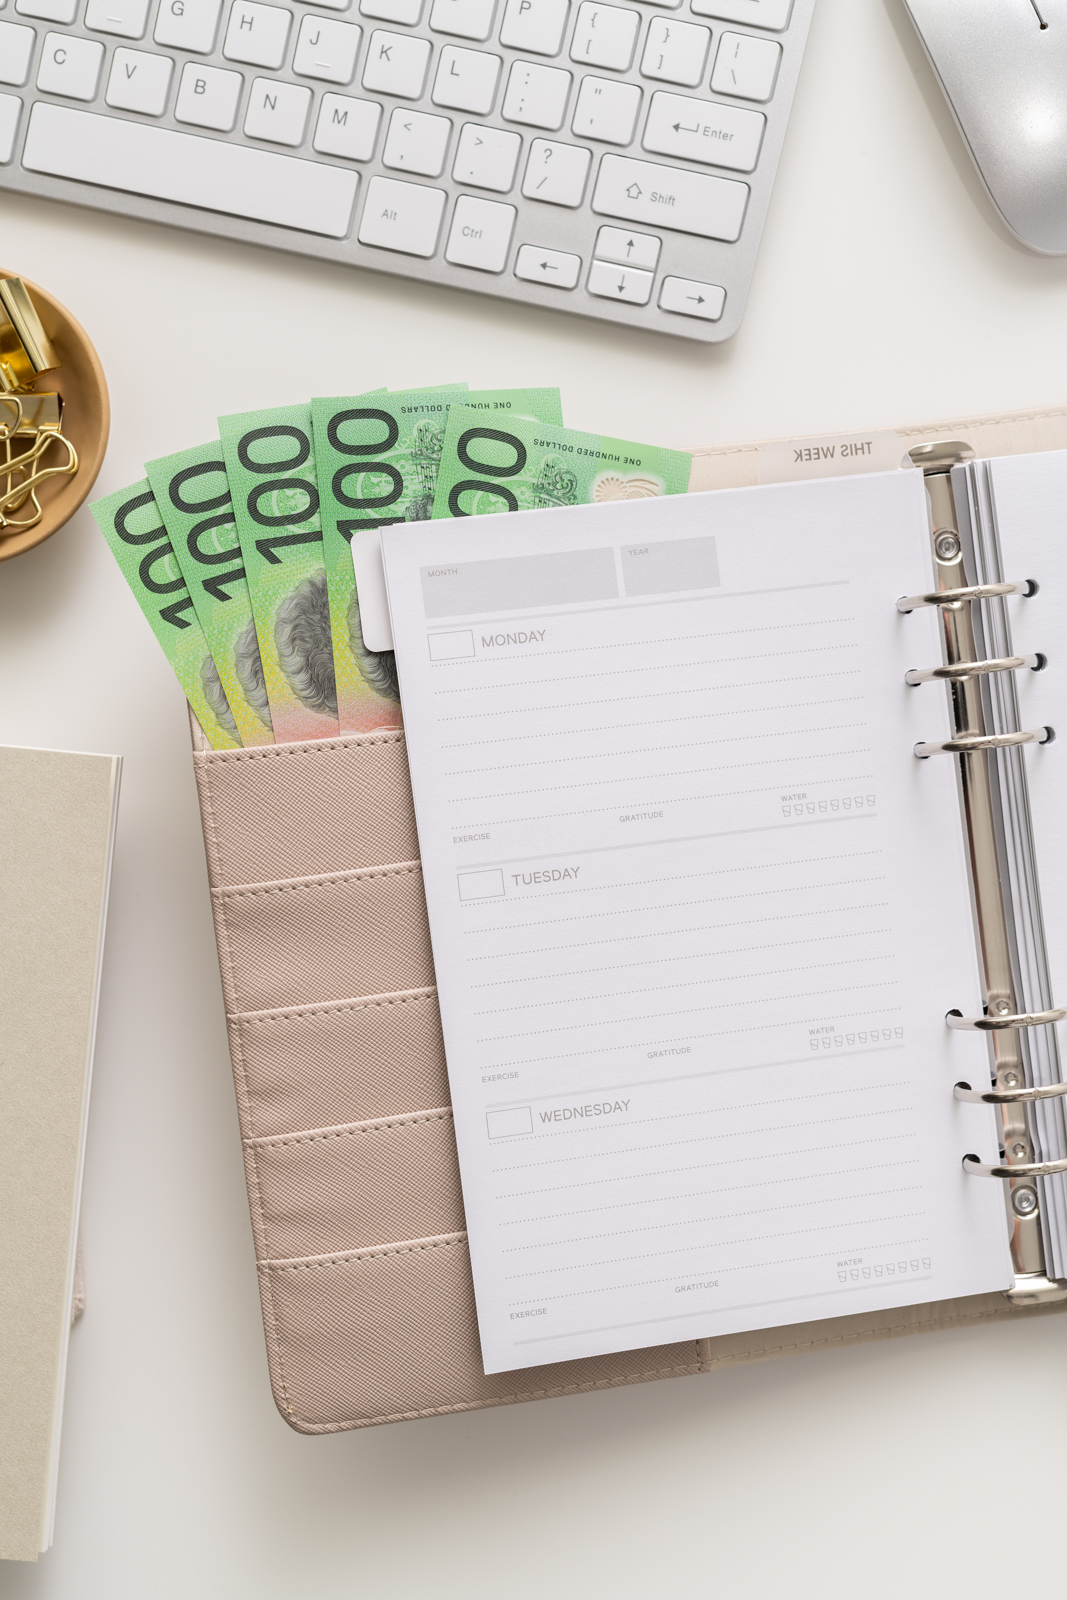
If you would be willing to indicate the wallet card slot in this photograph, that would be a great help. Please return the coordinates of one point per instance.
(295, 810)
(326, 938)
(351, 1187)
(386, 1334)
(346, 1061)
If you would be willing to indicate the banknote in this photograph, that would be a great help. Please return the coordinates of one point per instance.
(193, 496)
(378, 465)
(270, 464)
(130, 521)
(524, 466)
(377, 456)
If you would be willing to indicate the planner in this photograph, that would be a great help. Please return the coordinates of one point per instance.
(734, 815)
(58, 811)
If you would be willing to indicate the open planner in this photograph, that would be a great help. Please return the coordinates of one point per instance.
(739, 824)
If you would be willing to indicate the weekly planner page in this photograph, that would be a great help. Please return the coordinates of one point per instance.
(697, 913)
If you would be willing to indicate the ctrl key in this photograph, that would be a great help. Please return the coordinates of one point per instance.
(558, 268)
(688, 298)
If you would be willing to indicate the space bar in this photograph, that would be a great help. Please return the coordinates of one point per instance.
(195, 172)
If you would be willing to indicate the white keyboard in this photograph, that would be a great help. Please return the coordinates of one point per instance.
(610, 160)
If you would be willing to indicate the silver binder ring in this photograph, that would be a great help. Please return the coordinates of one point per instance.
(955, 597)
(967, 743)
(1010, 1019)
(1008, 1097)
(1025, 1169)
(962, 670)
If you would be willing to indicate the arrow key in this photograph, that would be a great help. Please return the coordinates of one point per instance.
(557, 268)
(619, 283)
(689, 298)
(628, 247)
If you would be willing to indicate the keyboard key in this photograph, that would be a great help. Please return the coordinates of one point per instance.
(746, 67)
(465, 19)
(759, 13)
(402, 216)
(396, 64)
(210, 173)
(480, 235)
(277, 111)
(139, 81)
(604, 36)
(667, 197)
(16, 48)
(700, 130)
(486, 157)
(10, 111)
(327, 49)
(207, 97)
(675, 52)
(556, 173)
(347, 127)
(127, 18)
(417, 142)
(607, 110)
(257, 34)
(628, 248)
(188, 24)
(70, 66)
(536, 95)
(466, 80)
(405, 11)
(558, 268)
(534, 25)
(332, 5)
(619, 283)
(690, 299)
(48, 10)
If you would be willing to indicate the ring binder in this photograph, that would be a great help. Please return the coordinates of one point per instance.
(991, 1024)
(973, 669)
(968, 672)
(973, 591)
(966, 743)
(1004, 1097)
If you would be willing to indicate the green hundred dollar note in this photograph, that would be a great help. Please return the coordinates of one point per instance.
(130, 522)
(378, 461)
(520, 465)
(193, 496)
(377, 456)
(270, 464)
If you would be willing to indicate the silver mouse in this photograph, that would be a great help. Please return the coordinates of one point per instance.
(1003, 67)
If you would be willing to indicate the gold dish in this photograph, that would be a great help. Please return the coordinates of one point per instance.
(86, 419)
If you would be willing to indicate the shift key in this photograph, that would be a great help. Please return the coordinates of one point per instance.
(689, 202)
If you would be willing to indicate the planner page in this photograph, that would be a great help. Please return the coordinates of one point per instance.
(697, 913)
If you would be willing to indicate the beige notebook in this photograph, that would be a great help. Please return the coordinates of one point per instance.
(343, 1094)
(57, 827)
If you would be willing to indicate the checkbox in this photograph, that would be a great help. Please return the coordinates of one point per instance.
(488, 885)
(507, 1124)
(451, 646)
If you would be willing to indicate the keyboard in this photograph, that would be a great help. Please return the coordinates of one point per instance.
(610, 160)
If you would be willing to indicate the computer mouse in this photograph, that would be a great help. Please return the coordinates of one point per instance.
(1003, 67)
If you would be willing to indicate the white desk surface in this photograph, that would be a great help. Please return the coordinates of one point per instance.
(885, 292)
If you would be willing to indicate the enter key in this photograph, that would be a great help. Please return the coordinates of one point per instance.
(696, 130)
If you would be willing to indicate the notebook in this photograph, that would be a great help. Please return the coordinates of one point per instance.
(58, 811)
(363, 1237)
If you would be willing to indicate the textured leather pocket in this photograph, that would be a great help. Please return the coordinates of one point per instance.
(352, 1187)
(319, 1066)
(326, 938)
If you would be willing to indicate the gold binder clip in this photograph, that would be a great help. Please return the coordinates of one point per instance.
(25, 349)
(39, 419)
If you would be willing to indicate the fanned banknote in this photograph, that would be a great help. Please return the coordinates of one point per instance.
(492, 465)
(377, 455)
(193, 495)
(270, 464)
(130, 521)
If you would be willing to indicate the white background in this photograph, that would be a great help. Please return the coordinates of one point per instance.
(886, 291)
